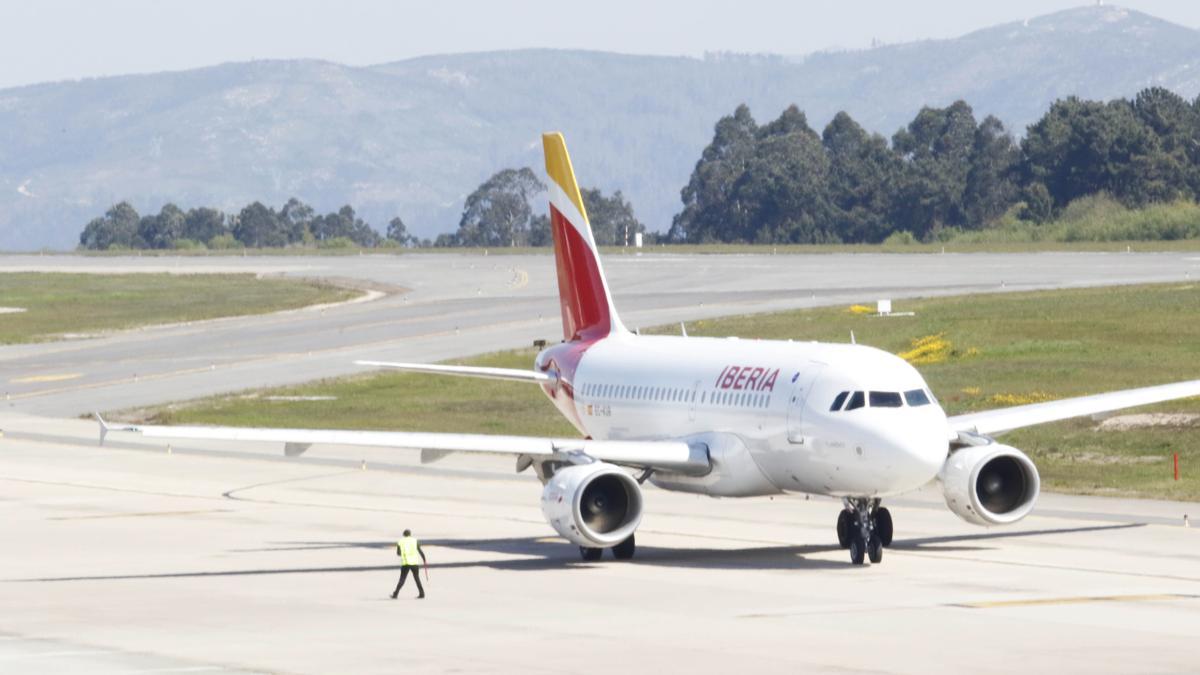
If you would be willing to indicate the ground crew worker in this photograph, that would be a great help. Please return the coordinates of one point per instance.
(408, 549)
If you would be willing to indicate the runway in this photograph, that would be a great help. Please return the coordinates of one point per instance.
(459, 305)
(216, 557)
(229, 559)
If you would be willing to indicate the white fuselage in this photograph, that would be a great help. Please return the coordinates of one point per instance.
(775, 398)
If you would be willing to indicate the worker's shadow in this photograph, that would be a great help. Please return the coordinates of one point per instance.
(533, 554)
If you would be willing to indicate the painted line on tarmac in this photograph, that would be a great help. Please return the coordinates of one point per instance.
(520, 279)
(183, 669)
(144, 514)
(46, 378)
(1048, 566)
(262, 359)
(49, 655)
(153, 331)
(1078, 600)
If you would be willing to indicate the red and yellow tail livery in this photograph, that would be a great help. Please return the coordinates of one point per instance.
(588, 313)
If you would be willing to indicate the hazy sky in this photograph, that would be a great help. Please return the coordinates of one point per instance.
(44, 40)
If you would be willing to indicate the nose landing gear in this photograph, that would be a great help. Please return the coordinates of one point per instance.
(864, 527)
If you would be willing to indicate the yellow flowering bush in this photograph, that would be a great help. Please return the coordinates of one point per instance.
(928, 349)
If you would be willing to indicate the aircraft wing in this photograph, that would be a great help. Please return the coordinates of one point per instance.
(1006, 419)
(511, 374)
(666, 455)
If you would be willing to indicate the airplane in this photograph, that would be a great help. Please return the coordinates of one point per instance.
(723, 417)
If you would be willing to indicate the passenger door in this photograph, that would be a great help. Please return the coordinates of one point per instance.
(803, 380)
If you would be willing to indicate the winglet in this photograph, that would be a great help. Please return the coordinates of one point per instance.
(104, 428)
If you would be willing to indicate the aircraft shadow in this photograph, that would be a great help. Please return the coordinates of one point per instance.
(945, 544)
(542, 554)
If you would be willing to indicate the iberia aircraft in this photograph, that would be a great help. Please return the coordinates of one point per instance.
(724, 417)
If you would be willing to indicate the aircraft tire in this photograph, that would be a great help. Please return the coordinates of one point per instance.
(845, 522)
(590, 554)
(875, 549)
(858, 549)
(883, 525)
(625, 549)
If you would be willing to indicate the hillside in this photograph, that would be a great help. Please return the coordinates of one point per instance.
(414, 137)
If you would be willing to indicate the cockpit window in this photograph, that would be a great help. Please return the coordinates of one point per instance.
(885, 399)
(837, 402)
(916, 397)
(857, 400)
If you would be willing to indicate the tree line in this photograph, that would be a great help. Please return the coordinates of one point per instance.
(499, 212)
(256, 226)
(944, 172)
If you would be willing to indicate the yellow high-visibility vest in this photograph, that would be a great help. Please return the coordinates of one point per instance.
(408, 551)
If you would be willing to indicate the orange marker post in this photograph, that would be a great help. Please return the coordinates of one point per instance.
(1176, 459)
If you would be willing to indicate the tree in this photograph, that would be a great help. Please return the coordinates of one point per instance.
(1039, 205)
(163, 230)
(539, 230)
(863, 175)
(991, 178)
(259, 226)
(446, 240)
(361, 232)
(203, 224)
(791, 121)
(1082, 147)
(345, 224)
(118, 227)
(708, 203)
(95, 235)
(1176, 123)
(497, 213)
(936, 148)
(296, 217)
(398, 233)
(612, 219)
(783, 195)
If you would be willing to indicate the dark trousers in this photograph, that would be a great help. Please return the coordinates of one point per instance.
(416, 572)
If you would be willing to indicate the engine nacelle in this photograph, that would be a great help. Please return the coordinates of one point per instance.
(990, 484)
(595, 505)
(734, 472)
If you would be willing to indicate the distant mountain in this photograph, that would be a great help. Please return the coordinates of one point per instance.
(414, 137)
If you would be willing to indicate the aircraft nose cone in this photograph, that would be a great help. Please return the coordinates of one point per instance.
(919, 457)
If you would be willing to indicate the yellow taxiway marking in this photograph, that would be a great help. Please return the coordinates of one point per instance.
(46, 378)
(520, 279)
(1079, 600)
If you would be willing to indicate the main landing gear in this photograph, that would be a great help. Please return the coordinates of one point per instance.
(865, 528)
(622, 551)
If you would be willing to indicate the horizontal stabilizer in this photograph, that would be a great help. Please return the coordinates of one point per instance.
(511, 374)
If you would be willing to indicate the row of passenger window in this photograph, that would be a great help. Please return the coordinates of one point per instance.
(669, 394)
(879, 399)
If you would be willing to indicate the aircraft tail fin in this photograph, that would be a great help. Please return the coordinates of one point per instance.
(588, 312)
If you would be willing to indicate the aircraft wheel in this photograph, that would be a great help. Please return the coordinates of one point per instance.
(875, 549)
(625, 549)
(590, 554)
(858, 549)
(883, 525)
(845, 522)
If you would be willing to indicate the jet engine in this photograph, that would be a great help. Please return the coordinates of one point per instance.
(595, 505)
(990, 484)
